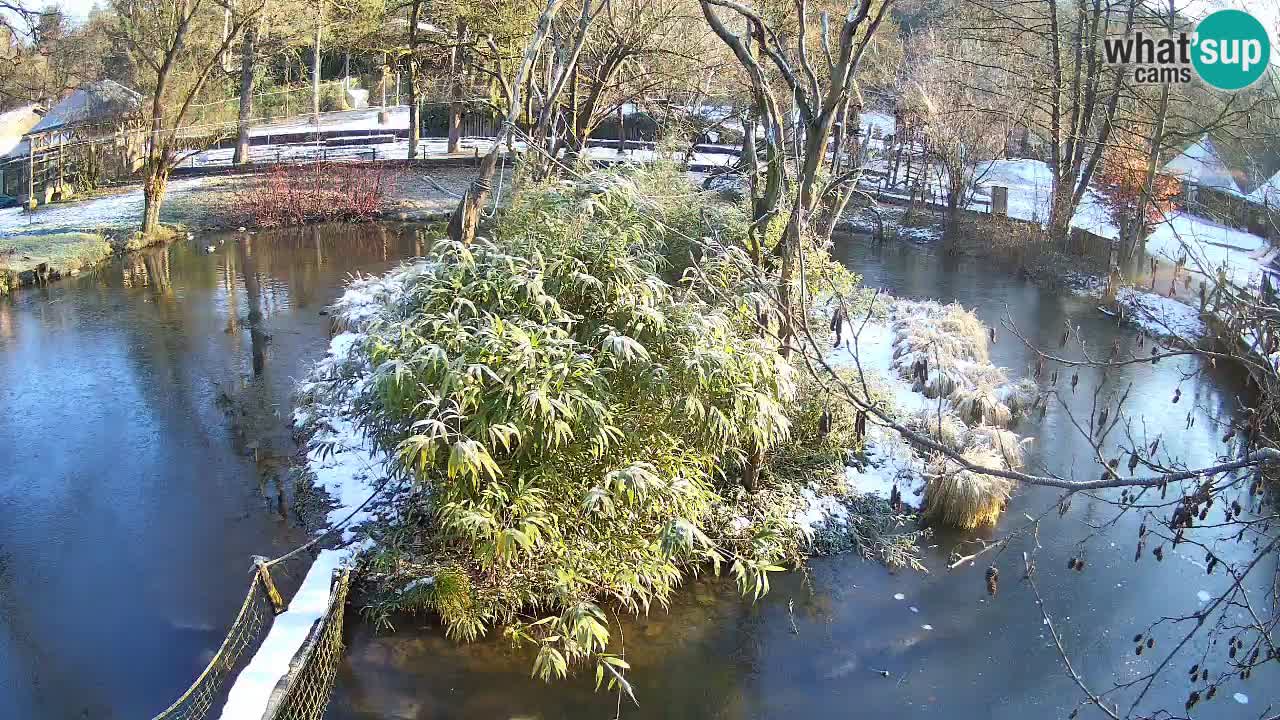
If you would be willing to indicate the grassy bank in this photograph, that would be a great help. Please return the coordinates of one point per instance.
(38, 258)
(28, 259)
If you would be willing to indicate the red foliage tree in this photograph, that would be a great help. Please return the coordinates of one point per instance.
(1122, 182)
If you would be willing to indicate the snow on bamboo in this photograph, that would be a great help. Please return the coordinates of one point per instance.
(343, 462)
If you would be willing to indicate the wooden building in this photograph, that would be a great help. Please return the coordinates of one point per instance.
(95, 136)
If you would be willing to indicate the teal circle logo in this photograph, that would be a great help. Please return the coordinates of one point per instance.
(1231, 49)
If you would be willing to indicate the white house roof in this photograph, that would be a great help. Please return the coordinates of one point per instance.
(1268, 193)
(104, 100)
(16, 123)
(1201, 164)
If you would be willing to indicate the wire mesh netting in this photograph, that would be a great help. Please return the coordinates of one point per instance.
(304, 694)
(245, 634)
(312, 673)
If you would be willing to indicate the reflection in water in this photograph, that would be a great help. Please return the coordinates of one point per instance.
(145, 438)
(717, 656)
(253, 290)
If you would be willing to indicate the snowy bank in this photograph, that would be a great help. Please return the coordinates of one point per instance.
(1208, 246)
(344, 463)
(889, 353)
(1161, 316)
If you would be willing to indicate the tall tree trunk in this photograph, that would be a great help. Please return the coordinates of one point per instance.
(456, 88)
(153, 190)
(156, 167)
(247, 53)
(315, 67)
(415, 130)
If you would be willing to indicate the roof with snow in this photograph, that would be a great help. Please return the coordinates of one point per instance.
(1268, 193)
(1202, 163)
(16, 123)
(98, 102)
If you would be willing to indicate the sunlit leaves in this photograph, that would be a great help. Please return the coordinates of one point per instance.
(625, 350)
(570, 414)
(471, 460)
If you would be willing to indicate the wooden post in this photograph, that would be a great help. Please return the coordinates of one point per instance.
(999, 200)
(31, 174)
(277, 602)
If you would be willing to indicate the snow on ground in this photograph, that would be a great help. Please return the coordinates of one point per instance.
(120, 210)
(880, 121)
(819, 510)
(1160, 315)
(428, 147)
(1209, 246)
(297, 152)
(345, 464)
(1030, 184)
(889, 459)
(342, 121)
(919, 234)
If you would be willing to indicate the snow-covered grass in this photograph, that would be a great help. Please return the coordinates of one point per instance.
(115, 211)
(64, 253)
(1159, 315)
(344, 463)
(1209, 246)
(887, 350)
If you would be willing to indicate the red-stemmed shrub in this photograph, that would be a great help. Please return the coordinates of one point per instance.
(317, 192)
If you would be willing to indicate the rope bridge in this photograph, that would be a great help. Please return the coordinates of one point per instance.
(303, 693)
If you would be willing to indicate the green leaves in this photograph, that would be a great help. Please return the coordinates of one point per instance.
(571, 412)
(625, 350)
(470, 460)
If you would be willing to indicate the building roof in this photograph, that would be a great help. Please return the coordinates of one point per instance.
(1203, 164)
(16, 123)
(98, 102)
(1268, 193)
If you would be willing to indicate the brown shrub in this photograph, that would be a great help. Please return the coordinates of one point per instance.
(317, 192)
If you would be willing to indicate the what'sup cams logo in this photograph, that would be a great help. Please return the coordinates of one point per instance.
(1229, 50)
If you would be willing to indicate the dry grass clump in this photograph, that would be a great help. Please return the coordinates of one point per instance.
(1004, 443)
(957, 332)
(960, 498)
(981, 405)
(944, 428)
(943, 350)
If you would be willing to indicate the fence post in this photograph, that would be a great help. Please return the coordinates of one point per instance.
(277, 602)
(31, 174)
(999, 200)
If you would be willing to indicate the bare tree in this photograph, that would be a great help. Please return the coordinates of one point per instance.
(179, 43)
(965, 120)
(466, 217)
(248, 53)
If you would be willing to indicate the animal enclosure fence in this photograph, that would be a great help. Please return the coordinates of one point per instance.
(303, 693)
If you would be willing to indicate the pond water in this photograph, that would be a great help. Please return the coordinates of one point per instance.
(835, 641)
(145, 443)
(146, 449)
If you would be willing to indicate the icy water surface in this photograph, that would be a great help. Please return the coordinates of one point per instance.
(944, 649)
(145, 445)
